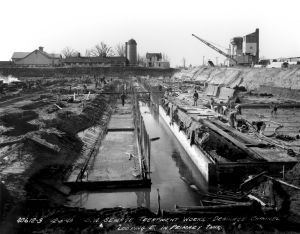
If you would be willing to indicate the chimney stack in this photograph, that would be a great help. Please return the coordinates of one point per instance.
(126, 49)
(41, 48)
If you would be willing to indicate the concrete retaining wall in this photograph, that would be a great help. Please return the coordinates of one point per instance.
(78, 71)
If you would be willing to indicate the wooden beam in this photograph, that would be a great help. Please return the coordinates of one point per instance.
(249, 184)
(234, 141)
(283, 182)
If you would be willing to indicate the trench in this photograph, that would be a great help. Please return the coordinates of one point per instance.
(172, 173)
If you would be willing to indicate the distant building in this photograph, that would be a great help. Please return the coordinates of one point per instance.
(162, 64)
(6, 64)
(245, 50)
(36, 58)
(152, 58)
(155, 60)
(79, 61)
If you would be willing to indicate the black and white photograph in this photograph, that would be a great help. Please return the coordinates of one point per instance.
(159, 117)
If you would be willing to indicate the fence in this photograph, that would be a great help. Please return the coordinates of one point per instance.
(143, 138)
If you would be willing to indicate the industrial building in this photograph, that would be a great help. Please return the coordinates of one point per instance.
(36, 58)
(244, 50)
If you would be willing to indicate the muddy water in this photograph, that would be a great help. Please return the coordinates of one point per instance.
(169, 164)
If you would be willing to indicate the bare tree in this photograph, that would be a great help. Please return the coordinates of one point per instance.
(102, 50)
(69, 52)
(88, 53)
(120, 49)
(183, 62)
(165, 58)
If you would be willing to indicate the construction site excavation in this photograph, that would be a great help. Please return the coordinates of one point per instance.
(100, 144)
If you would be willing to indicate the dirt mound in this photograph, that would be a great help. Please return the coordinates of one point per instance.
(34, 105)
(18, 120)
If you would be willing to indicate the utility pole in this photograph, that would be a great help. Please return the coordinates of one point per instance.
(203, 60)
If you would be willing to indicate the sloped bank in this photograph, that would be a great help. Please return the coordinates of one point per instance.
(275, 80)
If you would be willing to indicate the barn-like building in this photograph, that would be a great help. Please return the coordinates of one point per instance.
(36, 58)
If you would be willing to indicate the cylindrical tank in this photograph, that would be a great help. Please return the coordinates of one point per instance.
(131, 52)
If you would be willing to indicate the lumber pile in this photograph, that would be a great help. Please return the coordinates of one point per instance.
(257, 193)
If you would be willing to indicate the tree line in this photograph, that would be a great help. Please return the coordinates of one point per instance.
(104, 50)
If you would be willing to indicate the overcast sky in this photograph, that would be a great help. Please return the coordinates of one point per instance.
(157, 26)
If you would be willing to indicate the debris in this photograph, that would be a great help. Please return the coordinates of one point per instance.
(44, 143)
(215, 207)
(252, 197)
(252, 182)
(154, 138)
(185, 180)
(58, 106)
(136, 174)
(192, 186)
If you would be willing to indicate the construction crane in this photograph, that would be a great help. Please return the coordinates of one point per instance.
(215, 48)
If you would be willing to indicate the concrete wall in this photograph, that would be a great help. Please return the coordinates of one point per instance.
(162, 64)
(78, 71)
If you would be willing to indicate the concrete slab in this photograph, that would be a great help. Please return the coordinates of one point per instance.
(122, 118)
(212, 90)
(112, 162)
(120, 122)
(225, 93)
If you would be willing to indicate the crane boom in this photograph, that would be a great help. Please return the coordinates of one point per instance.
(214, 48)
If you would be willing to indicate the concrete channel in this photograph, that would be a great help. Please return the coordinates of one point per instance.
(172, 172)
(117, 157)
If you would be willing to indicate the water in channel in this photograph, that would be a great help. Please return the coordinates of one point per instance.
(169, 163)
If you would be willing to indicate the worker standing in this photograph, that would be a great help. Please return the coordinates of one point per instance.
(232, 116)
(238, 108)
(212, 103)
(274, 109)
(195, 96)
(123, 98)
(229, 102)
